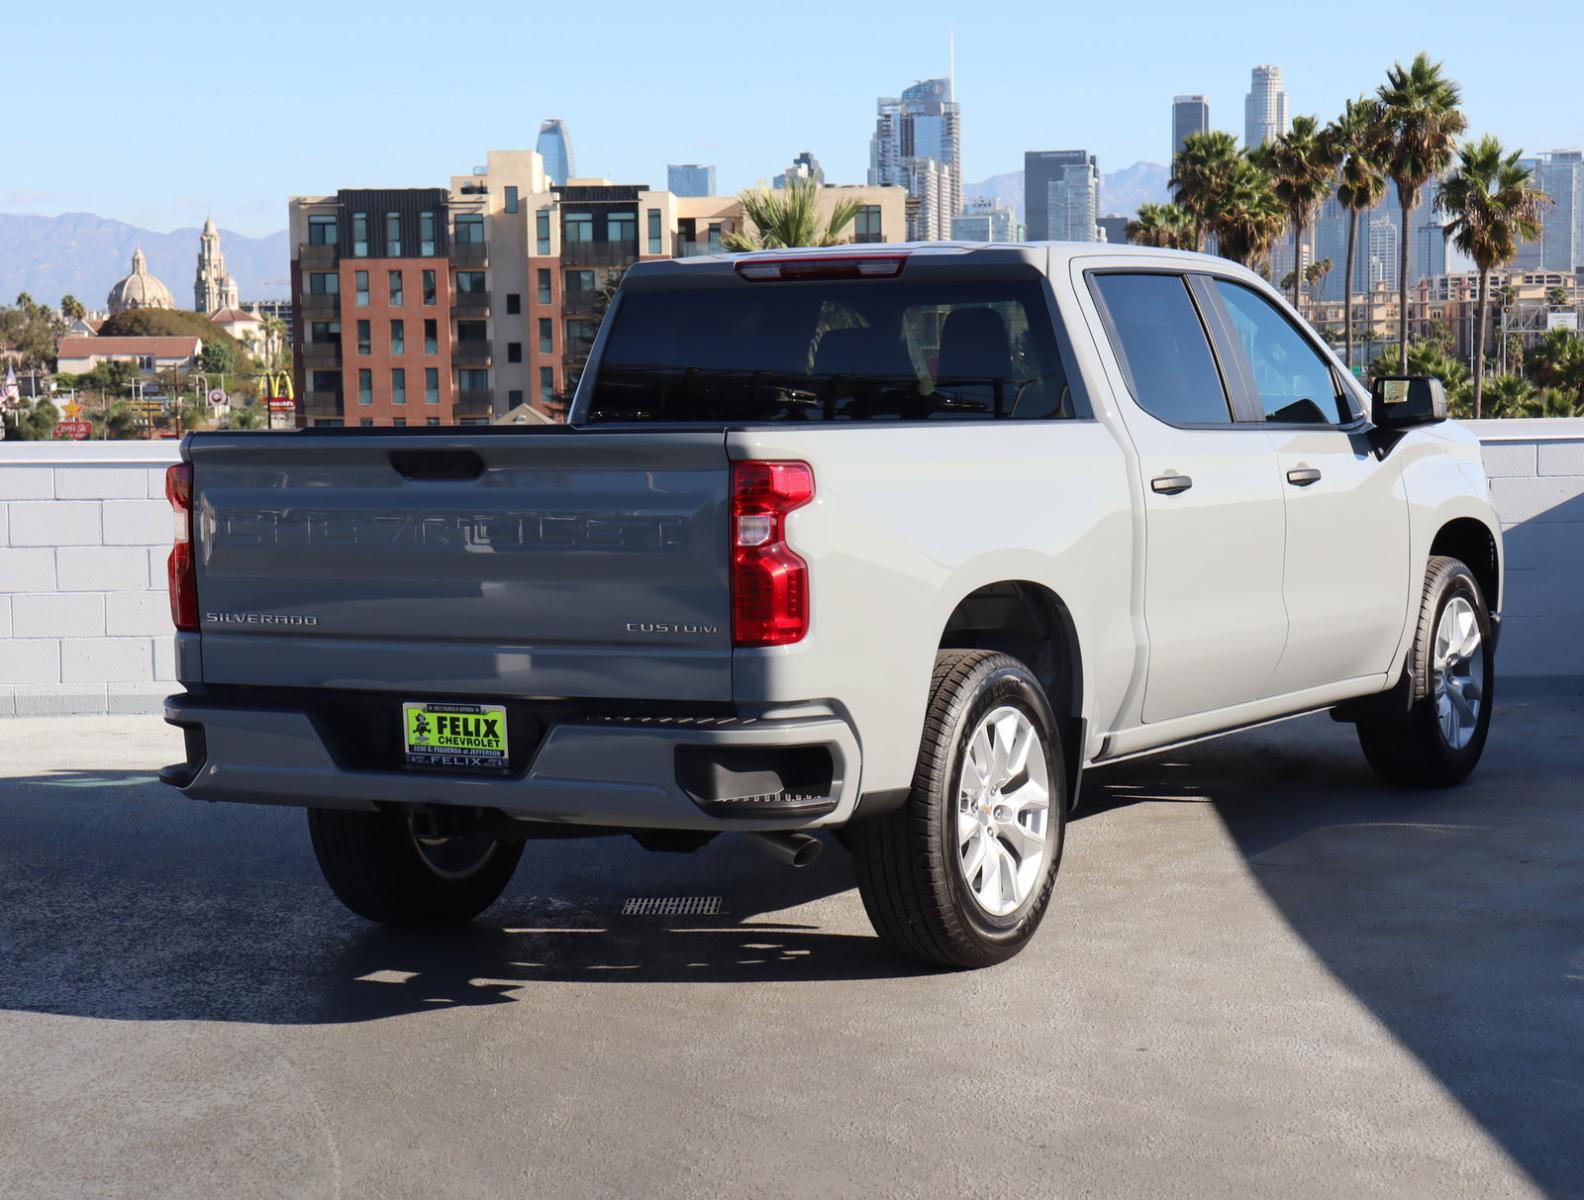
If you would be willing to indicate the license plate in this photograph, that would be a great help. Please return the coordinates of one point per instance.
(454, 735)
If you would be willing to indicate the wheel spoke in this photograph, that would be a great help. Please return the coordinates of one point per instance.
(979, 756)
(989, 861)
(1007, 876)
(967, 826)
(1005, 731)
(1003, 835)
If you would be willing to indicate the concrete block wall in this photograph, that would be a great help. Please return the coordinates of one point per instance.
(85, 623)
(85, 532)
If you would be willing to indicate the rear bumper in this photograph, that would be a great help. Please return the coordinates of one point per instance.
(625, 773)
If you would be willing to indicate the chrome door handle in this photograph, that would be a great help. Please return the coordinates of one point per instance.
(1303, 476)
(1170, 485)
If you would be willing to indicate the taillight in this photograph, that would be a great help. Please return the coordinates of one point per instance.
(770, 590)
(183, 571)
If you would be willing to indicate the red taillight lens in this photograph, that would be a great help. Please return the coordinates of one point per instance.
(183, 571)
(770, 592)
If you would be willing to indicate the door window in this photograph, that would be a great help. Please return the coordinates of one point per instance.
(1157, 335)
(1294, 382)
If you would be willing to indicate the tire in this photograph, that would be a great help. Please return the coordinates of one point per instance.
(915, 865)
(380, 869)
(1427, 738)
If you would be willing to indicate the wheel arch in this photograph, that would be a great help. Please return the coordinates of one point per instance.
(1472, 542)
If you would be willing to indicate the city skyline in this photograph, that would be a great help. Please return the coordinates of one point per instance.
(740, 118)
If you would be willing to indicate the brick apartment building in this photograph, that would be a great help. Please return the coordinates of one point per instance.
(429, 306)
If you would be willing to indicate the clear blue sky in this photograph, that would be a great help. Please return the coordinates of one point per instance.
(157, 113)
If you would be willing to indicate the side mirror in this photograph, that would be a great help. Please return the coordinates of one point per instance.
(1403, 401)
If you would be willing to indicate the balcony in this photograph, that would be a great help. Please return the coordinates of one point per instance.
(321, 356)
(598, 254)
(470, 254)
(321, 404)
(686, 249)
(316, 258)
(471, 354)
(577, 301)
(470, 304)
(475, 403)
(321, 302)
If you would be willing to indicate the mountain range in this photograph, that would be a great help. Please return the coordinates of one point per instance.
(1121, 192)
(82, 255)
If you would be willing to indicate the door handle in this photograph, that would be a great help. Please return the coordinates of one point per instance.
(1303, 476)
(1170, 485)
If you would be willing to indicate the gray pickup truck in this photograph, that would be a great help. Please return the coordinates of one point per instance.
(892, 542)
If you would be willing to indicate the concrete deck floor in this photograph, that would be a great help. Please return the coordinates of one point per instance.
(1264, 975)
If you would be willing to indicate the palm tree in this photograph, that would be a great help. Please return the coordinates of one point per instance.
(1558, 362)
(1166, 226)
(789, 217)
(1493, 205)
(1358, 136)
(1557, 297)
(1245, 214)
(1302, 163)
(274, 330)
(72, 308)
(1199, 171)
(1422, 119)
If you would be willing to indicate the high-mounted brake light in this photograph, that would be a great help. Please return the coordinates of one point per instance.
(182, 570)
(836, 266)
(770, 588)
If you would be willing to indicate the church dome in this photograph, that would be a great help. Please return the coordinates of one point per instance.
(139, 289)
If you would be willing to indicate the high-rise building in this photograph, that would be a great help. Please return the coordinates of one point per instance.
(1113, 229)
(804, 166)
(1190, 114)
(1264, 108)
(213, 289)
(917, 145)
(690, 179)
(1380, 244)
(985, 219)
(1061, 195)
(1560, 247)
(555, 147)
(1426, 254)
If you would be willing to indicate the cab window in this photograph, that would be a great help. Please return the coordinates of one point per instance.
(1294, 381)
(1161, 344)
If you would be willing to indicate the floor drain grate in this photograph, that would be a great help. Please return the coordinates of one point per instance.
(671, 906)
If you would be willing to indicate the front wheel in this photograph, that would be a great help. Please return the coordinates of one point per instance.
(961, 874)
(1450, 677)
(382, 868)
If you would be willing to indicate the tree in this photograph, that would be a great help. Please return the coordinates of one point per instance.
(1302, 164)
(217, 358)
(1557, 361)
(274, 330)
(1493, 205)
(1557, 297)
(1245, 214)
(1199, 173)
(1422, 119)
(789, 217)
(1315, 273)
(1166, 226)
(1359, 139)
(72, 308)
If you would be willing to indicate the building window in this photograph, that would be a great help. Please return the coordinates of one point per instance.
(364, 339)
(580, 335)
(470, 229)
(362, 289)
(426, 234)
(398, 385)
(429, 287)
(431, 420)
(472, 380)
(431, 385)
(325, 333)
(580, 281)
(511, 199)
(655, 244)
(366, 422)
(546, 385)
(514, 352)
(322, 231)
(579, 227)
(544, 285)
(365, 386)
(542, 231)
(325, 381)
(546, 336)
(431, 336)
(513, 304)
(399, 422)
(396, 295)
(866, 225)
(514, 398)
(393, 235)
(622, 228)
(322, 283)
(470, 281)
(714, 235)
(360, 235)
(398, 337)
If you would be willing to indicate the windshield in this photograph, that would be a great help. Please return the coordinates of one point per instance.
(838, 350)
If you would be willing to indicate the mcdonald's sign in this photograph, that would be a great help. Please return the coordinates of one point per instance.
(278, 387)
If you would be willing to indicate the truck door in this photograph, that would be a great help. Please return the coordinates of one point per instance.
(1346, 581)
(1214, 522)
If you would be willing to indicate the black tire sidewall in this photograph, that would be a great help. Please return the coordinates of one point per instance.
(1448, 762)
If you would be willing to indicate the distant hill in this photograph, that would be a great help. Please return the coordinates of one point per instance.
(1120, 191)
(83, 255)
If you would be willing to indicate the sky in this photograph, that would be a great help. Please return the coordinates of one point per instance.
(160, 113)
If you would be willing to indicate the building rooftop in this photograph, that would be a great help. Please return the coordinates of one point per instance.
(103, 347)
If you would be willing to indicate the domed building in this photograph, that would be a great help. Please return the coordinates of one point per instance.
(139, 289)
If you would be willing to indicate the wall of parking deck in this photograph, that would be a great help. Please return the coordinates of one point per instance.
(85, 531)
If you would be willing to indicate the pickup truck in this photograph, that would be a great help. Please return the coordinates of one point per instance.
(891, 541)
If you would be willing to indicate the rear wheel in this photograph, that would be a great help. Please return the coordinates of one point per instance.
(961, 874)
(1437, 738)
(381, 867)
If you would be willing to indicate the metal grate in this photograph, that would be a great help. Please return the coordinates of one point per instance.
(671, 906)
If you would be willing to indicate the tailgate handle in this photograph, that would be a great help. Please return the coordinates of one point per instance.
(436, 464)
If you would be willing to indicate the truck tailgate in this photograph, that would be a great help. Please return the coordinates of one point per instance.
(551, 563)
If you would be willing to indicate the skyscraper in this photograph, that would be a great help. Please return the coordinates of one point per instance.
(985, 219)
(555, 146)
(1560, 247)
(804, 166)
(690, 179)
(1264, 108)
(916, 145)
(1190, 114)
(1061, 195)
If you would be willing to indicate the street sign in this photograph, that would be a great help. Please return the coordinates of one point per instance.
(217, 397)
(75, 431)
(1566, 319)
